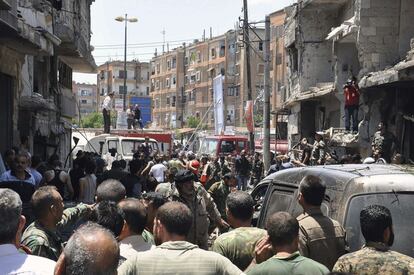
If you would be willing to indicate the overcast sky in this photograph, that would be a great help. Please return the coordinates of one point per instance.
(182, 20)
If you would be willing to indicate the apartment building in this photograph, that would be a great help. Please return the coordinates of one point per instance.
(167, 88)
(111, 78)
(86, 99)
(198, 63)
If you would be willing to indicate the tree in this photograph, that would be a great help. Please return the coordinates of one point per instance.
(193, 122)
(95, 120)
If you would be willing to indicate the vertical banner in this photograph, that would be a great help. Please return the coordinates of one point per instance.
(248, 115)
(218, 105)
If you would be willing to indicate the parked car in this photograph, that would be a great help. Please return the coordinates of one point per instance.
(349, 188)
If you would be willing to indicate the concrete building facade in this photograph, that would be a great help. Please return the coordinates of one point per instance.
(111, 78)
(86, 99)
(197, 65)
(41, 44)
(329, 42)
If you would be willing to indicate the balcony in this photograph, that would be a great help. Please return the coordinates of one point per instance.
(8, 17)
(72, 28)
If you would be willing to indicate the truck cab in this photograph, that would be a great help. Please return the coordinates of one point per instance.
(227, 145)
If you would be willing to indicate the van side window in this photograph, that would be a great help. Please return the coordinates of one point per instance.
(278, 201)
(113, 144)
(240, 145)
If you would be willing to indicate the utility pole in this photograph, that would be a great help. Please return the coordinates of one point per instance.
(266, 108)
(248, 69)
(125, 63)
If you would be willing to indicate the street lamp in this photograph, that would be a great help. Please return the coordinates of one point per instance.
(131, 20)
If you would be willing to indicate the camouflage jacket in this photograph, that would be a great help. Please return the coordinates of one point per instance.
(202, 206)
(318, 151)
(238, 245)
(167, 189)
(375, 258)
(219, 192)
(49, 244)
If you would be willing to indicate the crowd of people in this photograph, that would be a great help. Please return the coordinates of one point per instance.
(157, 214)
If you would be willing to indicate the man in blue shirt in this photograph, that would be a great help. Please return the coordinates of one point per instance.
(19, 171)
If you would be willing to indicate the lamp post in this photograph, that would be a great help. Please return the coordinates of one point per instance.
(131, 20)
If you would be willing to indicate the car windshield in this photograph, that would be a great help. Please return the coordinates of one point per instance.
(208, 147)
(401, 207)
(129, 147)
(228, 146)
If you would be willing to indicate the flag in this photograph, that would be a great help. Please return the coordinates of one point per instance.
(248, 115)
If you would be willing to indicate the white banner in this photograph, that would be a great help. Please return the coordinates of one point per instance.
(218, 105)
(119, 104)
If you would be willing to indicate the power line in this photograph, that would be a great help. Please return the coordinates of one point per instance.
(136, 47)
(130, 54)
(144, 43)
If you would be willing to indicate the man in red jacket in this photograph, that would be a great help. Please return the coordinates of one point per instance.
(351, 92)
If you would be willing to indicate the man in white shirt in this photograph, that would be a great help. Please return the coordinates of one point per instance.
(135, 216)
(158, 170)
(12, 223)
(106, 111)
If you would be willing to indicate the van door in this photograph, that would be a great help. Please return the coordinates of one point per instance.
(278, 198)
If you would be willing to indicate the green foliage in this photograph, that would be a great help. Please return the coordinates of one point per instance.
(192, 122)
(95, 120)
(258, 120)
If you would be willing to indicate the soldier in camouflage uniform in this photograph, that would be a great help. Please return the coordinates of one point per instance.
(43, 236)
(376, 257)
(201, 205)
(238, 245)
(382, 143)
(220, 190)
(319, 150)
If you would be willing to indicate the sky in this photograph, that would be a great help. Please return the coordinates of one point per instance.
(182, 20)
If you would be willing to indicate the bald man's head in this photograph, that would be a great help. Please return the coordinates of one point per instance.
(92, 249)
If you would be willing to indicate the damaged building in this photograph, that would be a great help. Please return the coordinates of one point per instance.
(41, 44)
(329, 42)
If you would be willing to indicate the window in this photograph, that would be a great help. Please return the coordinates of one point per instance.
(260, 68)
(168, 101)
(240, 144)
(157, 84)
(174, 63)
(148, 91)
(158, 68)
(279, 201)
(85, 93)
(400, 206)
(230, 91)
(84, 101)
(228, 146)
(236, 91)
(192, 78)
(148, 75)
(209, 147)
(222, 50)
(173, 100)
(168, 64)
(198, 76)
(198, 56)
(186, 79)
(260, 46)
(293, 58)
(167, 82)
(123, 89)
(123, 74)
(173, 81)
(102, 91)
(213, 53)
(102, 74)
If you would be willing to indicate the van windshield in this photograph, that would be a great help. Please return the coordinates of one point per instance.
(129, 147)
(401, 207)
(208, 147)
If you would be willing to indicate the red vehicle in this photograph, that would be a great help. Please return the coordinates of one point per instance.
(280, 145)
(228, 145)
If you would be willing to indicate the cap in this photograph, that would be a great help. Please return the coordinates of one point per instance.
(184, 176)
(320, 133)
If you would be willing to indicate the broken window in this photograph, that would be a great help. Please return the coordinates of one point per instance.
(294, 58)
(192, 78)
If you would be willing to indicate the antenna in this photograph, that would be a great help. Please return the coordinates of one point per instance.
(163, 40)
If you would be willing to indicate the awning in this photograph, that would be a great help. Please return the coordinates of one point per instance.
(186, 130)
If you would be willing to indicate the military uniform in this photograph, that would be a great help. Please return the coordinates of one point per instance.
(49, 244)
(219, 192)
(167, 189)
(202, 207)
(375, 259)
(382, 143)
(238, 245)
(257, 171)
(318, 152)
(321, 238)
